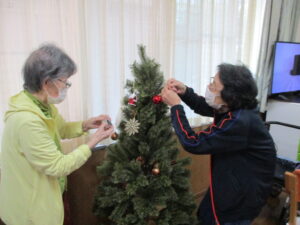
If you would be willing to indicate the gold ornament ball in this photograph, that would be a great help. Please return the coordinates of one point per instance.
(114, 136)
(155, 171)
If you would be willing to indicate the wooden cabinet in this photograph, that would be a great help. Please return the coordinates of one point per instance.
(82, 185)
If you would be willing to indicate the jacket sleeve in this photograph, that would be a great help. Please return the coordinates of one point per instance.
(40, 150)
(230, 134)
(196, 103)
(68, 129)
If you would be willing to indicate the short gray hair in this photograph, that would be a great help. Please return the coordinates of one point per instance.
(47, 62)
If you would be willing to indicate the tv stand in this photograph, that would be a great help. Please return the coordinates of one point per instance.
(282, 97)
(287, 97)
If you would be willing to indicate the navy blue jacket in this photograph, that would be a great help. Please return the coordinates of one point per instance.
(242, 159)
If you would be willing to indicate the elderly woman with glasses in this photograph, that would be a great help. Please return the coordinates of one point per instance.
(241, 148)
(33, 168)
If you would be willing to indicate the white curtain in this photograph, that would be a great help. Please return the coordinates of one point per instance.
(100, 35)
(209, 33)
(188, 38)
(113, 31)
(24, 26)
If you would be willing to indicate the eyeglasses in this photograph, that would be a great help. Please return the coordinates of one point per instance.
(211, 84)
(67, 83)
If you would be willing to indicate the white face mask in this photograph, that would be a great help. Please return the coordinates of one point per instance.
(210, 99)
(62, 93)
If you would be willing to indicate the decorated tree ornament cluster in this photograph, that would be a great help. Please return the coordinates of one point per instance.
(132, 125)
(143, 160)
(156, 99)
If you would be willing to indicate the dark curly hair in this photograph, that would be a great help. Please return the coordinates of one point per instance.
(240, 88)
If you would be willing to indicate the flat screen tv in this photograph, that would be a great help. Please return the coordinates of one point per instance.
(286, 68)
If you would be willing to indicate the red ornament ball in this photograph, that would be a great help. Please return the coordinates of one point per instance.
(156, 99)
(132, 101)
(140, 159)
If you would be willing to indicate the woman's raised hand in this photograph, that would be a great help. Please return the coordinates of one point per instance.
(104, 131)
(176, 86)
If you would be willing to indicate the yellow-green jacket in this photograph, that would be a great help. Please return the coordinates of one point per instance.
(31, 163)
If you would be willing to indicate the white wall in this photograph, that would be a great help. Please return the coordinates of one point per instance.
(285, 138)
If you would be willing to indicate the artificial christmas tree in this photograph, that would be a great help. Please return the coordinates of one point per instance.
(143, 182)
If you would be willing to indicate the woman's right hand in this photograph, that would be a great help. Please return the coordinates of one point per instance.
(176, 86)
(104, 131)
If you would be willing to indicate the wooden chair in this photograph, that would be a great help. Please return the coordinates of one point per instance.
(291, 187)
(297, 173)
(282, 207)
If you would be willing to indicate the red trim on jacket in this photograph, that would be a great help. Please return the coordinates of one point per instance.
(211, 176)
(212, 196)
(182, 128)
(202, 131)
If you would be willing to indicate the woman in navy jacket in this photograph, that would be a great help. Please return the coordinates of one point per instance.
(241, 148)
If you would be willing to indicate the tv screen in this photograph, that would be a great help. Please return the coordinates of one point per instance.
(286, 68)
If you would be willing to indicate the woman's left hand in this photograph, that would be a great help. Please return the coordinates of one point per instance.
(170, 97)
(94, 122)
